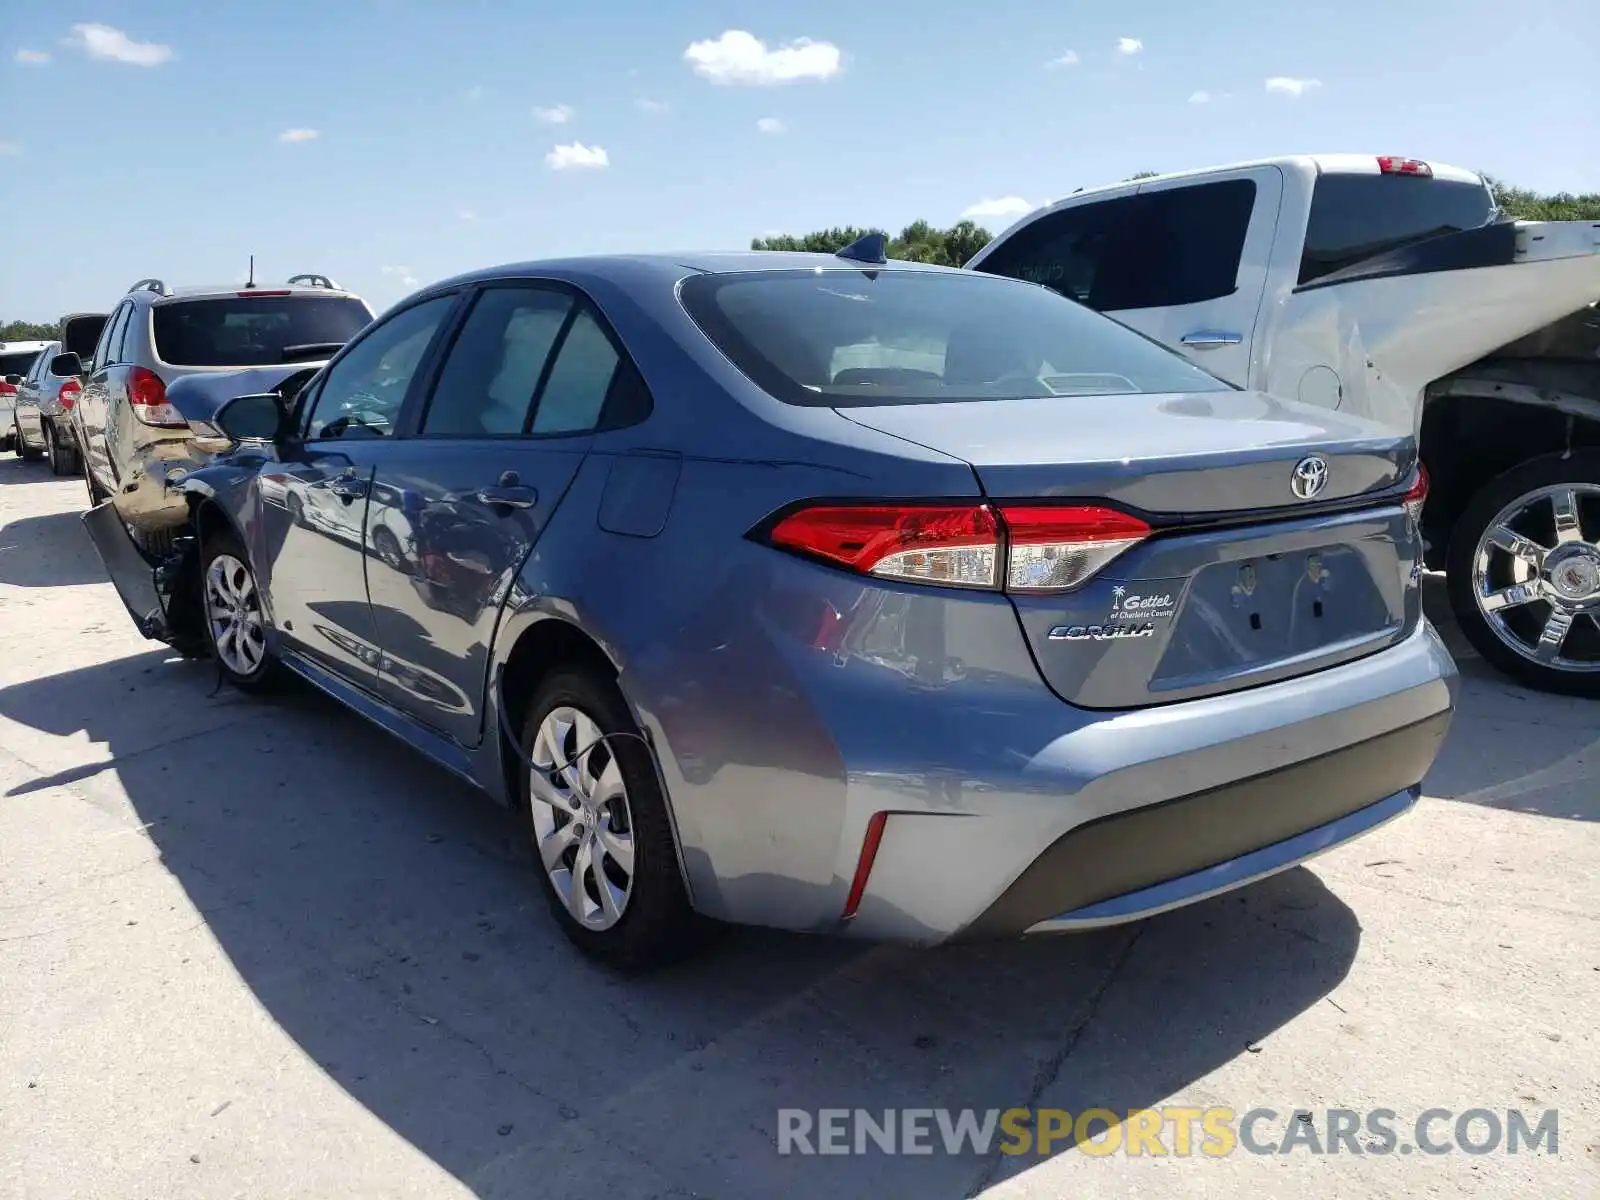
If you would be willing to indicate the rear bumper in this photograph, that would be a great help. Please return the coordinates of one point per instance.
(1147, 810)
(1146, 860)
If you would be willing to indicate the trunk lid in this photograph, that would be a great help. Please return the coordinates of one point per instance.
(80, 333)
(1243, 581)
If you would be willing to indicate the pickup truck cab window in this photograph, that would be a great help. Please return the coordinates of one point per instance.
(1356, 217)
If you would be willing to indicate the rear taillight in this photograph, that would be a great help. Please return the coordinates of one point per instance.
(1417, 495)
(7, 389)
(1054, 548)
(148, 396)
(1022, 548)
(67, 394)
(1393, 164)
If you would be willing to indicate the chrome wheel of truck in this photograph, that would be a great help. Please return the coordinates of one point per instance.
(1525, 573)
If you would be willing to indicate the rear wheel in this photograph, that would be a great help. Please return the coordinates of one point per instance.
(602, 838)
(236, 625)
(63, 459)
(1524, 573)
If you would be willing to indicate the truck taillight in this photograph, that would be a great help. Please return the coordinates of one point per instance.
(148, 397)
(1017, 547)
(1393, 164)
(67, 394)
(1417, 495)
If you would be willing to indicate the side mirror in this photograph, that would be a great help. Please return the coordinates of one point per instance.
(67, 364)
(14, 380)
(258, 417)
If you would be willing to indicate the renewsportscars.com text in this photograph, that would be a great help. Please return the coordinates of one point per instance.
(1170, 1131)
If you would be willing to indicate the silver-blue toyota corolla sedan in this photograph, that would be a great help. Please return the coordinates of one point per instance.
(826, 593)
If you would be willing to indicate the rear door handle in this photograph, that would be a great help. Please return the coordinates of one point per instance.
(1210, 339)
(348, 487)
(508, 492)
(514, 496)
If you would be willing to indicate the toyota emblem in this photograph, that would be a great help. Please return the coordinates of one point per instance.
(1310, 477)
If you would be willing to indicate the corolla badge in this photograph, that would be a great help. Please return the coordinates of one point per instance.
(1310, 477)
(1100, 633)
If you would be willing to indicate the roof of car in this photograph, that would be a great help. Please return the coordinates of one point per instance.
(676, 266)
(223, 290)
(22, 347)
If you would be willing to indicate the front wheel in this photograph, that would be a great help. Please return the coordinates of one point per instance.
(602, 838)
(1524, 573)
(24, 451)
(236, 624)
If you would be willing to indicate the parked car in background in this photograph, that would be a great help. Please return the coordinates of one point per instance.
(829, 593)
(16, 360)
(130, 434)
(44, 414)
(1392, 288)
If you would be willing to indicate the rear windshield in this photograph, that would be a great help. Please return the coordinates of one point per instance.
(252, 331)
(17, 363)
(1357, 217)
(846, 338)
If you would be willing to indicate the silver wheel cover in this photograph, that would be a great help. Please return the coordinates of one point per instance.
(233, 613)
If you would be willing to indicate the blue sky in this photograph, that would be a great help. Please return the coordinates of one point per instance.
(157, 137)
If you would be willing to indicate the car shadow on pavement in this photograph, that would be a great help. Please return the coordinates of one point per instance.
(71, 557)
(389, 920)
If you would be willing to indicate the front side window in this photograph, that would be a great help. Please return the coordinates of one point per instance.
(254, 331)
(844, 338)
(111, 336)
(493, 369)
(363, 392)
(1358, 217)
(1160, 249)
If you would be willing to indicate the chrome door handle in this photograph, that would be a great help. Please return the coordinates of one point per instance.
(508, 497)
(1210, 339)
(347, 487)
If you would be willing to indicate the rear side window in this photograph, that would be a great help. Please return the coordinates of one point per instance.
(1357, 217)
(1153, 250)
(580, 380)
(843, 338)
(493, 370)
(105, 352)
(254, 331)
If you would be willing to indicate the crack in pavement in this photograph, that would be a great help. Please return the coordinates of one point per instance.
(1047, 1074)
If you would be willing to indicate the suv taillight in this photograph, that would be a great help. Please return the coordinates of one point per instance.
(1014, 547)
(1417, 495)
(67, 394)
(7, 389)
(148, 396)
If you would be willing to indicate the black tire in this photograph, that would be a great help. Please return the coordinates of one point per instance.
(387, 547)
(62, 458)
(658, 926)
(24, 451)
(1582, 467)
(266, 675)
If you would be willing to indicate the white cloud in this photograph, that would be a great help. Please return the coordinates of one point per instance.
(299, 135)
(1286, 85)
(466, 214)
(575, 156)
(1068, 58)
(1004, 206)
(738, 57)
(403, 274)
(104, 42)
(558, 114)
(645, 104)
(10, 149)
(32, 57)
(1127, 46)
(771, 125)
(1200, 98)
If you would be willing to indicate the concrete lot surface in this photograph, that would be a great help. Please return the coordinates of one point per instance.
(257, 949)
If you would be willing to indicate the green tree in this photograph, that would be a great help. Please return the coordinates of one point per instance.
(28, 331)
(917, 242)
(1528, 205)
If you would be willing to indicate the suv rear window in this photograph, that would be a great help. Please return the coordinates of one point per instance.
(17, 363)
(847, 338)
(1357, 217)
(252, 331)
